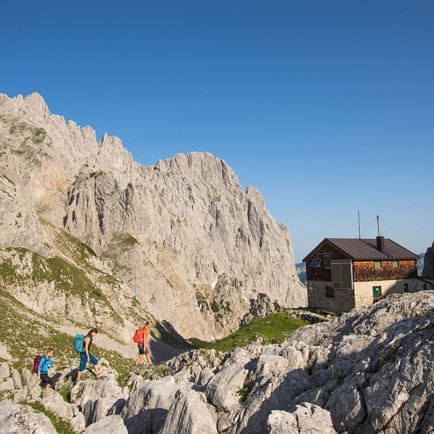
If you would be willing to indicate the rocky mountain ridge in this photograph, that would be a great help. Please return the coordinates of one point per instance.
(191, 244)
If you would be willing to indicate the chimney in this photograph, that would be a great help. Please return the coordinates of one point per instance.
(380, 243)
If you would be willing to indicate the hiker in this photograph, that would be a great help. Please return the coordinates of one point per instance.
(42, 369)
(141, 337)
(82, 345)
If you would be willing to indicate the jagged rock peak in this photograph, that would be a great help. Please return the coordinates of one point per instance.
(203, 163)
(36, 101)
(35, 105)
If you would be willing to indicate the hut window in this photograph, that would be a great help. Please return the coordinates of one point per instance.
(394, 264)
(377, 264)
(405, 287)
(316, 262)
(327, 261)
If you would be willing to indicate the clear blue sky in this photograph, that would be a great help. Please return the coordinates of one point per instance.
(325, 106)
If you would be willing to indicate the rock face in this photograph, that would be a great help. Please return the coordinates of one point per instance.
(99, 397)
(428, 265)
(147, 407)
(305, 419)
(15, 418)
(111, 424)
(195, 248)
(190, 414)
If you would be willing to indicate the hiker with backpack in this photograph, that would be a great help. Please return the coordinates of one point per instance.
(82, 345)
(141, 338)
(42, 365)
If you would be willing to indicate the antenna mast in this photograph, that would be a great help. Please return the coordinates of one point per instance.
(358, 216)
(378, 225)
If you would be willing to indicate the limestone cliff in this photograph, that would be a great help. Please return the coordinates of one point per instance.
(194, 247)
(428, 264)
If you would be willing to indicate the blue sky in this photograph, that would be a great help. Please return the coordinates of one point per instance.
(327, 107)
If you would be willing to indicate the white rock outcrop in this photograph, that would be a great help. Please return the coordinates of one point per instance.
(99, 397)
(305, 419)
(190, 414)
(147, 407)
(21, 419)
(109, 425)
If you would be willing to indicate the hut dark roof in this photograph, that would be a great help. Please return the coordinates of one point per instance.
(365, 249)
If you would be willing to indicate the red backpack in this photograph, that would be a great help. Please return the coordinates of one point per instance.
(138, 336)
(36, 361)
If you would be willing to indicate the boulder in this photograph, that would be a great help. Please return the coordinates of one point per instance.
(282, 422)
(20, 395)
(269, 364)
(54, 402)
(100, 396)
(222, 389)
(17, 379)
(7, 385)
(21, 419)
(305, 419)
(190, 414)
(32, 383)
(78, 423)
(108, 425)
(4, 371)
(312, 419)
(147, 407)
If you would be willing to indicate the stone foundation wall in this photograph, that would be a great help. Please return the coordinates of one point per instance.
(343, 299)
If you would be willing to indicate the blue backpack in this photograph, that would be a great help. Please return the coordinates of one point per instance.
(79, 343)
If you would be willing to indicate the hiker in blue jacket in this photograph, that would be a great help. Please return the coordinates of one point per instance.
(85, 355)
(43, 367)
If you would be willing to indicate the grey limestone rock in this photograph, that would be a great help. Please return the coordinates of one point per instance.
(190, 414)
(147, 407)
(99, 397)
(21, 419)
(428, 264)
(305, 419)
(7, 385)
(31, 381)
(54, 402)
(4, 371)
(222, 388)
(17, 379)
(110, 424)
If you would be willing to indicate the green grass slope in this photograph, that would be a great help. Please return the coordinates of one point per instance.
(270, 329)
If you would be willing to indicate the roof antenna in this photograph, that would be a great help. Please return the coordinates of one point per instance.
(358, 216)
(378, 225)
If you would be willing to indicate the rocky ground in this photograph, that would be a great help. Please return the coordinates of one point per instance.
(368, 371)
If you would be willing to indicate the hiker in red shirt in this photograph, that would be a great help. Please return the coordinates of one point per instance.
(141, 337)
